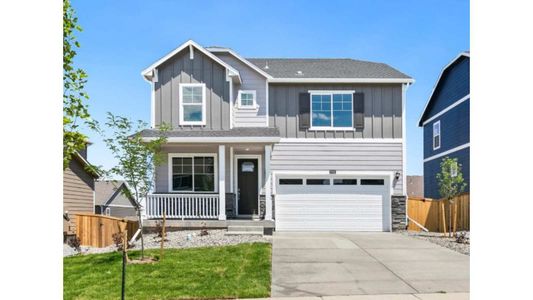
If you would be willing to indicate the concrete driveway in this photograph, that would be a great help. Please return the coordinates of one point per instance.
(324, 264)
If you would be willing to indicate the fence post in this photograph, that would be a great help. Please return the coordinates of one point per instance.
(443, 216)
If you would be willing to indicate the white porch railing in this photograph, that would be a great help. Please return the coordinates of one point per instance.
(186, 206)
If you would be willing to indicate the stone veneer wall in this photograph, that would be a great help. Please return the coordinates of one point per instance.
(399, 213)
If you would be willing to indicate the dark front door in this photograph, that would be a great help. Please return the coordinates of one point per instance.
(247, 177)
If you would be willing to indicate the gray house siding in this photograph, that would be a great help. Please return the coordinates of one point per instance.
(251, 80)
(346, 156)
(382, 117)
(201, 69)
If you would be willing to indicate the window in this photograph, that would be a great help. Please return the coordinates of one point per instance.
(289, 181)
(332, 110)
(317, 181)
(193, 174)
(345, 181)
(192, 104)
(372, 182)
(247, 99)
(107, 211)
(436, 135)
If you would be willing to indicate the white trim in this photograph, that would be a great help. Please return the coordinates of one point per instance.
(107, 211)
(268, 183)
(342, 80)
(254, 103)
(231, 154)
(180, 103)
(437, 82)
(191, 52)
(259, 178)
(118, 205)
(222, 182)
(439, 135)
(327, 92)
(245, 61)
(404, 143)
(447, 152)
(192, 155)
(267, 100)
(339, 140)
(152, 105)
(230, 101)
(465, 98)
(223, 139)
(330, 93)
(146, 72)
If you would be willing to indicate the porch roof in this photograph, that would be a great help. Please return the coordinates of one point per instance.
(243, 134)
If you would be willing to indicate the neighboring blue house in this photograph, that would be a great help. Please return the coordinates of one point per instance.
(446, 122)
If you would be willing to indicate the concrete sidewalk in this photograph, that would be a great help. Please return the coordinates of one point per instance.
(333, 264)
(433, 296)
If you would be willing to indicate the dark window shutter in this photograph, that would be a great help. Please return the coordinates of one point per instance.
(359, 110)
(304, 105)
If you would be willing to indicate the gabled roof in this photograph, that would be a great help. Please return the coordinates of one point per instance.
(148, 72)
(321, 69)
(462, 54)
(215, 49)
(87, 167)
(108, 190)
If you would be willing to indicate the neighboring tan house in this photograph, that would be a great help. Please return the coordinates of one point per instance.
(307, 144)
(415, 186)
(78, 190)
(446, 122)
(113, 198)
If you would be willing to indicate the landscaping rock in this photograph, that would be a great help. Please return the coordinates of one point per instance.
(180, 239)
(441, 240)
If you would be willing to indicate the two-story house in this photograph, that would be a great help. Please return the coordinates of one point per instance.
(446, 123)
(310, 144)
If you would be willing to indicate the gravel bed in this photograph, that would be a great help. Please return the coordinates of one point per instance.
(180, 239)
(441, 240)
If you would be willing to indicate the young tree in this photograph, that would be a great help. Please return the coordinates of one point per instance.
(136, 158)
(451, 182)
(74, 96)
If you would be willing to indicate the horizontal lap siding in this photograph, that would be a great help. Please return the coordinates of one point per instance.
(382, 114)
(78, 191)
(432, 168)
(122, 211)
(336, 156)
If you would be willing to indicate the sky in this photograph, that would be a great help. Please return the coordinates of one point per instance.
(121, 38)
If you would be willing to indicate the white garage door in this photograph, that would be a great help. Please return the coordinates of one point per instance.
(332, 203)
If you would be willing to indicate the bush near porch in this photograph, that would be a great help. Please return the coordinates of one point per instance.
(240, 271)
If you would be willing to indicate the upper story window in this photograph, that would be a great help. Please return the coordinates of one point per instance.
(247, 99)
(332, 110)
(192, 103)
(436, 135)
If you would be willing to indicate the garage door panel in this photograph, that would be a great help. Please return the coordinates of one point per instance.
(330, 207)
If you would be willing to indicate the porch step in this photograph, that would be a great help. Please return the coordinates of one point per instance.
(245, 230)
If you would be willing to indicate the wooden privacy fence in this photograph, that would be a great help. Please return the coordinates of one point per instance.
(434, 215)
(97, 230)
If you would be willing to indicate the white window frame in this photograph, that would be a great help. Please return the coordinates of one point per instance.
(331, 93)
(107, 211)
(181, 119)
(191, 155)
(254, 104)
(435, 135)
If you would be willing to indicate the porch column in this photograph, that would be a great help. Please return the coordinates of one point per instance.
(268, 183)
(222, 182)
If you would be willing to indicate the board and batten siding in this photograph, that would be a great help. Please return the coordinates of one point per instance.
(349, 156)
(78, 193)
(382, 110)
(201, 69)
(251, 80)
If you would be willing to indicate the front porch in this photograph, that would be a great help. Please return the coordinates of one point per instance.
(207, 182)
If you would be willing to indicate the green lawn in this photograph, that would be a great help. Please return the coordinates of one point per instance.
(216, 272)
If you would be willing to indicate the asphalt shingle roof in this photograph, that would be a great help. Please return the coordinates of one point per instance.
(234, 132)
(325, 68)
